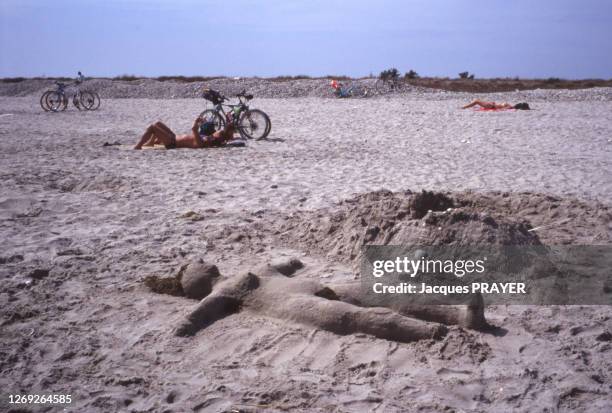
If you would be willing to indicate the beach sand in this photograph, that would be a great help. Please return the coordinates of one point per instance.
(83, 224)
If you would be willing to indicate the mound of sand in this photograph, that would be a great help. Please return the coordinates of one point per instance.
(387, 218)
(556, 220)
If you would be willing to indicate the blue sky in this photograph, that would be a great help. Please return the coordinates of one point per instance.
(526, 38)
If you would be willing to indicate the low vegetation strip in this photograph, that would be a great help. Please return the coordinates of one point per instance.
(177, 87)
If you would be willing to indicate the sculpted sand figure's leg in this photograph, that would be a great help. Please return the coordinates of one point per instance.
(470, 315)
(343, 318)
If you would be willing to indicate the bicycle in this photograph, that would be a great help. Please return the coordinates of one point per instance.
(57, 100)
(250, 123)
(353, 90)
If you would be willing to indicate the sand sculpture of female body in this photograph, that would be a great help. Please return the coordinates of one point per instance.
(270, 292)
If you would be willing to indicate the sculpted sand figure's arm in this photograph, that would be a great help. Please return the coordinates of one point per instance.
(210, 309)
(227, 298)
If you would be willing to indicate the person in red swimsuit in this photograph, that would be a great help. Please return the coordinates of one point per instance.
(488, 105)
(494, 105)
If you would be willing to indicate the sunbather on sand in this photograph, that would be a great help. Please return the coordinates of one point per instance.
(494, 105)
(488, 105)
(202, 135)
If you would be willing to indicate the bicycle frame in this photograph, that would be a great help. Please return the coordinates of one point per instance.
(242, 108)
(63, 89)
(344, 92)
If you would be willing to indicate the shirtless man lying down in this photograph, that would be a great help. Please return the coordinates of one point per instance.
(202, 135)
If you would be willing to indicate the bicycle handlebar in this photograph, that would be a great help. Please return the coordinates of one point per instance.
(64, 85)
(80, 79)
(223, 98)
(243, 94)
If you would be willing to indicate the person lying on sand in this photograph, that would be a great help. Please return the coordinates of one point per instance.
(202, 135)
(494, 105)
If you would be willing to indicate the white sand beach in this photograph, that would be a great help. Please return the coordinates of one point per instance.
(83, 224)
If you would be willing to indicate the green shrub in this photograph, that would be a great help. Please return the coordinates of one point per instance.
(411, 75)
(126, 77)
(13, 79)
(389, 74)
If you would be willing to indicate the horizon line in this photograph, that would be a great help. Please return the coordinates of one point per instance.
(292, 77)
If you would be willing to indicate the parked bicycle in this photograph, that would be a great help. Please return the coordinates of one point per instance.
(250, 123)
(57, 100)
(352, 90)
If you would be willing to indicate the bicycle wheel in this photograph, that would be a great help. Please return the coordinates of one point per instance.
(269, 127)
(211, 115)
(76, 101)
(254, 124)
(88, 100)
(359, 91)
(56, 101)
(43, 101)
(96, 102)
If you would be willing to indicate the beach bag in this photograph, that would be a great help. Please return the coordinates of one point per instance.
(212, 96)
